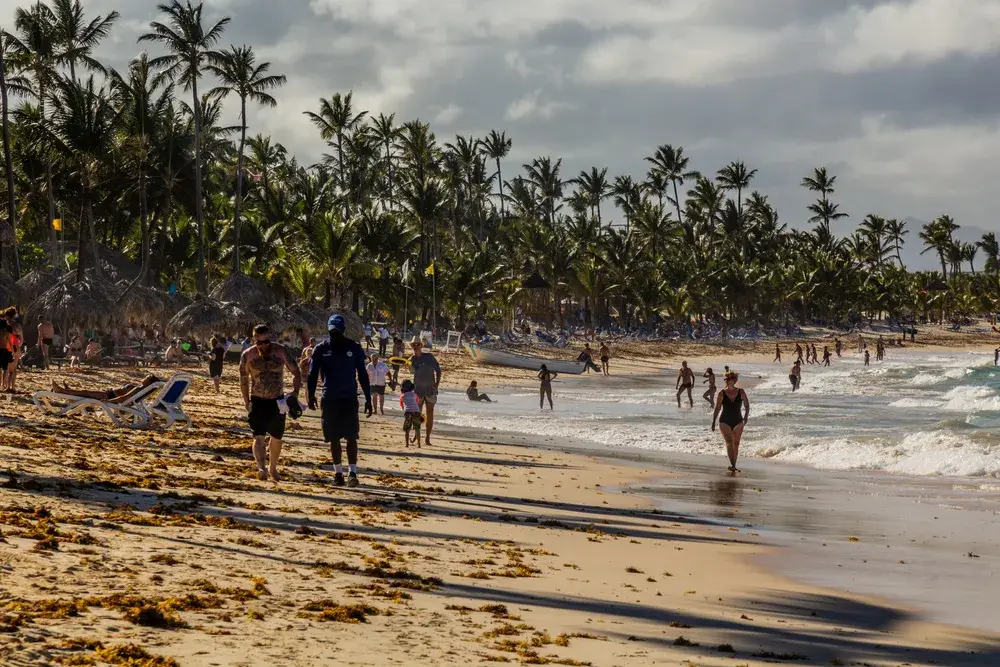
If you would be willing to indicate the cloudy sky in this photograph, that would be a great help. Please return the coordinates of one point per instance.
(899, 98)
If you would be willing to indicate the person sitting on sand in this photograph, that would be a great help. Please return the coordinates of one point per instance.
(174, 353)
(709, 394)
(412, 418)
(473, 393)
(685, 381)
(734, 405)
(93, 352)
(545, 391)
(795, 375)
(111, 395)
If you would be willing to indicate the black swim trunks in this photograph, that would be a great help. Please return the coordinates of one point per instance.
(340, 419)
(265, 418)
(47, 341)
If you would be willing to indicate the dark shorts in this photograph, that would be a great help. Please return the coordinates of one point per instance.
(265, 418)
(46, 341)
(6, 358)
(215, 369)
(378, 389)
(686, 385)
(605, 359)
(340, 419)
(412, 420)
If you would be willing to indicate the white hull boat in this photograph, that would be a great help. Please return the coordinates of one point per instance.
(485, 355)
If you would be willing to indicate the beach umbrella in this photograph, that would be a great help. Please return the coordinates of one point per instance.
(89, 303)
(7, 236)
(204, 317)
(10, 292)
(242, 289)
(37, 281)
(310, 317)
(147, 304)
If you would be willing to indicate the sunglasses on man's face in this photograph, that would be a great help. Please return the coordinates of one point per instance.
(262, 343)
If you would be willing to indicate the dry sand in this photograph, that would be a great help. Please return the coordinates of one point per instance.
(160, 547)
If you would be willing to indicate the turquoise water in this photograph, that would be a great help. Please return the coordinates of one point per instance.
(915, 413)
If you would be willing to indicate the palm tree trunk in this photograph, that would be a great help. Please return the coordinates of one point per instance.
(388, 172)
(8, 164)
(340, 165)
(82, 240)
(500, 183)
(677, 202)
(144, 222)
(199, 213)
(239, 187)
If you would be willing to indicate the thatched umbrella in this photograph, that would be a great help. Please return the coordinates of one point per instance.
(147, 304)
(10, 293)
(37, 281)
(244, 290)
(203, 318)
(309, 316)
(89, 302)
(355, 325)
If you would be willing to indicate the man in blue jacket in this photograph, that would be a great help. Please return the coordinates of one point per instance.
(341, 362)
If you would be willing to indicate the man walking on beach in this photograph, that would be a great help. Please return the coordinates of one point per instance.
(262, 381)
(777, 354)
(837, 346)
(341, 362)
(426, 378)
(46, 336)
(798, 352)
(826, 355)
(383, 340)
(685, 380)
(377, 372)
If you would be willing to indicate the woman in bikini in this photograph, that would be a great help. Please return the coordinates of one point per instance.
(730, 403)
(545, 391)
(109, 395)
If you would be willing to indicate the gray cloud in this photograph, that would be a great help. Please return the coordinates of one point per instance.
(897, 97)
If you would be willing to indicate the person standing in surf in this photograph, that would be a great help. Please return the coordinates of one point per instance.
(777, 354)
(996, 357)
(685, 381)
(545, 391)
(709, 395)
(734, 405)
(795, 375)
(867, 357)
(605, 353)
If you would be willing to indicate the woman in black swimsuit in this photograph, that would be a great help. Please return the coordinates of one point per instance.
(545, 391)
(730, 403)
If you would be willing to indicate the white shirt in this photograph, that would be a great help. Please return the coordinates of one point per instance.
(383, 333)
(377, 373)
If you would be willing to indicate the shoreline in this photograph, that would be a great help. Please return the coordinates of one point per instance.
(170, 529)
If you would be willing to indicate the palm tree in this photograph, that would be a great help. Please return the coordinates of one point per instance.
(387, 134)
(672, 164)
(497, 147)
(143, 102)
(83, 127)
(594, 187)
(239, 73)
(335, 119)
(896, 229)
(991, 248)
(820, 182)
(544, 175)
(75, 38)
(33, 52)
(189, 45)
(20, 86)
(736, 176)
(936, 238)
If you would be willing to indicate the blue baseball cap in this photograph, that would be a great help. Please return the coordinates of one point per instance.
(337, 323)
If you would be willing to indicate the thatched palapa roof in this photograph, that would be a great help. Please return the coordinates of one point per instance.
(244, 290)
(35, 282)
(89, 302)
(147, 304)
(10, 293)
(203, 318)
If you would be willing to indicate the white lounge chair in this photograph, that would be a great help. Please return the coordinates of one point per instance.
(167, 403)
(131, 413)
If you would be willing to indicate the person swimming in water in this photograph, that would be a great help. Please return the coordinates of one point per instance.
(709, 394)
(734, 405)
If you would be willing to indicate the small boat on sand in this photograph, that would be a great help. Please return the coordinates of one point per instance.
(485, 355)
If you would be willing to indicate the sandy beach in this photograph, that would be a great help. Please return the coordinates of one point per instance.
(160, 547)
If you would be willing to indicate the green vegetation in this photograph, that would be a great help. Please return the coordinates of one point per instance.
(138, 164)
